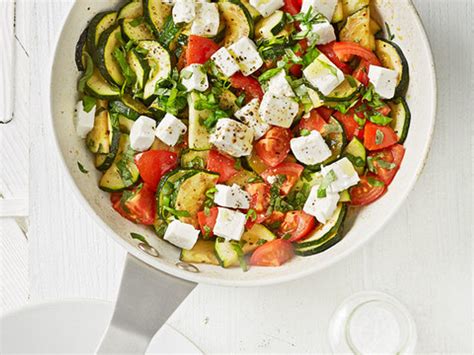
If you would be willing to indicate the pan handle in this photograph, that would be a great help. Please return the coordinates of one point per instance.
(146, 299)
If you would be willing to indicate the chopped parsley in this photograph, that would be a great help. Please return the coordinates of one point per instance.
(251, 215)
(328, 179)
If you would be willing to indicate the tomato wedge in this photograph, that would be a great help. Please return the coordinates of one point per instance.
(378, 137)
(365, 193)
(207, 222)
(328, 51)
(221, 164)
(200, 49)
(345, 50)
(115, 198)
(273, 253)
(259, 196)
(351, 127)
(391, 159)
(292, 6)
(137, 205)
(297, 69)
(361, 72)
(315, 122)
(250, 86)
(297, 224)
(274, 146)
(292, 171)
(325, 112)
(153, 164)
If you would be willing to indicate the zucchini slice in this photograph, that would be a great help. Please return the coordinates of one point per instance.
(131, 10)
(357, 29)
(202, 252)
(226, 253)
(105, 60)
(100, 138)
(98, 87)
(99, 23)
(256, 236)
(123, 172)
(119, 107)
(139, 67)
(238, 21)
(254, 14)
(338, 13)
(159, 61)
(104, 161)
(196, 159)
(135, 105)
(198, 136)
(392, 57)
(156, 12)
(352, 6)
(81, 48)
(242, 178)
(346, 91)
(125, 124)
(401, 118)
(355, 152)
(270, 26)
(334, 135)
(254, 163)
(134, 32)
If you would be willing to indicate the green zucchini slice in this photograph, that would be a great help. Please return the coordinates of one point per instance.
(99, 23)
(238, 21)
(104, 161)
(401, 118)
(100, 138)
(202, 252)
(226, 253)
(357, 29)
(392, 57)
(242, 178)
(346, 91)
(139, 67)
(254, 14)
(350, 7)
(334, 135)
(156, 12)
(355, 152)
(81, 48)
(131, 10)
(198, 136)
(133, 32)
(196, 159)
(105, 60)
(125, 124)
(270, 26)
(256, 236)
(98, 87)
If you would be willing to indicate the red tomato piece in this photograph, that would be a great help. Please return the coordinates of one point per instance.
(140, 205)
(153, 164)
(351, 127)
(325, 112)
(259, 196)
(292, 6)
(378, 137)
(115, 198)
(273, 253)
(384, 110)
(364, 193)
(393, 155)
(292, 171)
(207, 222)
(273, 148)
(361, 72)
(221, 164)
(200, 49)
(328, 50)
(249, 85)
(297, 224)
(315, 122)
(345, 50)
(296, 69)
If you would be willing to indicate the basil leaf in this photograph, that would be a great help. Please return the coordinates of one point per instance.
(375, 182)
(139, 237)
(328, 179)
(88, 103)
(81, 168)
(380, 119)
(379, 136)
(270, 73)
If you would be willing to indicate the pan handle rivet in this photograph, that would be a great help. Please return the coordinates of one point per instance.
(148, 249)
(187, 267)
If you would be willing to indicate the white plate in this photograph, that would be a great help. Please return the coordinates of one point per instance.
(74, 326)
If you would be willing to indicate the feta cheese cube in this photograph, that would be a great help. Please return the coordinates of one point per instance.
(323, 74)
(310, 149)
(249, 115)
(346, 176)
(278, 110)
(279, 86)
(319, 33)
(170, 129)
(193, 77)
(181, 234)
(206, 21)
(229, 224)
(142, 133)
(321, 208)
(232, 197)
(225, 62)
(184, 11)
(324, 7)
(84, 120)
(246, 54)
(232, 137)
(384, 80)
(266, 7)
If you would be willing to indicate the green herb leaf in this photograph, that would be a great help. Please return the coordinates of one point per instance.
(379, 136)
(328, 179)
(390, 35)
(81, 168)
(251, 215)
(379, 119)
(305, 132)
(88, 103)
(88, 73)
(267, 75)
(176, 213)
(375, 182)
(356, 161)
(139, 237)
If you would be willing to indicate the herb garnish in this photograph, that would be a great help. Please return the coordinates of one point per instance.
(375, 182)
(328, 179)
(88, 103)
(81, 168)
(379, 136)
(139, 237)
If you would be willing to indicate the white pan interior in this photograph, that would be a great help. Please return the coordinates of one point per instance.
(404, 22)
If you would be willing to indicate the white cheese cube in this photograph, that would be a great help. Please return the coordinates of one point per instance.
(206, 22)
(278, 110)
(142, 133)
(181, 234)
(384, 80)
(246, 54)
(193, 77)
(319, 33)
(346, 176)
(266, 7)
(170, 129)
(279, 86)
(84, 120)
(324, 7)
(323, 74)
(232, 137)
(225, 62)
(229, 224)
(311, 149)
(184, 11)
(232, 197)
(249, 115)
(321, 208)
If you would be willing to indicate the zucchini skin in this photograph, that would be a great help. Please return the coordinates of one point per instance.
(407, 118)
(92, 30)
(402, 86)
(80, 47)
(101, 54)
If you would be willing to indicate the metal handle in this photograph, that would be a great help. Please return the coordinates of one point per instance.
(146, 299)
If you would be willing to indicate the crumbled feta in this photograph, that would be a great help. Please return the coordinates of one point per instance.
(323, 74)
(246, 54)
(229, 224)
(170, 129)
(321, 208)
(249, 115)
(225, 62)
(278, 110)
(266, 7)
(232, 137)
(184, 11)
(142, 133)
(181, 234)
(310, 149)
(279, 86)
(346, 175)
(384, 80)
(206, 22)
(84, 120)
(193, 77)
(319, 33)
(324, 7)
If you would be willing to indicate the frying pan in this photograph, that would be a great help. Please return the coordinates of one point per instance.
(154, 283)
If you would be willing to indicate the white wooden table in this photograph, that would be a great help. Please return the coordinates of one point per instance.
(424, 256)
